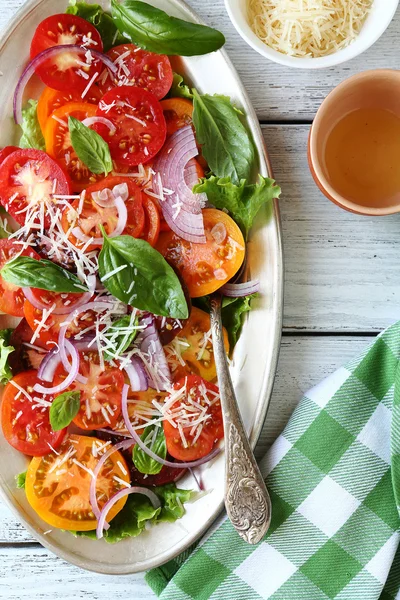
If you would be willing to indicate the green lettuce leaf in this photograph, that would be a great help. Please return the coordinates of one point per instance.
(138, 511)
(233, 311)
(101, 20)
(5, 351)
(242, 201)
(179, 89)
(32, 136)
(20, 480)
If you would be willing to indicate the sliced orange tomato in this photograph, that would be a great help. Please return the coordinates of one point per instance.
(194, 348)
(101, 394)
(178, 112)
(50, 100)
(206, 267)
(59, 147)
(151, 229)
(188, 442)
(60, 495)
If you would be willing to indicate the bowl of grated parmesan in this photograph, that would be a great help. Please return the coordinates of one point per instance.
(311, 34)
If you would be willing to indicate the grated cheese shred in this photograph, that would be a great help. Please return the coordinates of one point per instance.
(307, 28)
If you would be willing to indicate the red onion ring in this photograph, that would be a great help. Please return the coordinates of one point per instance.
(49, 365)
(93, 120)
(121, 224)
(239, 290)
(41, 58)
(137, 375)
(74, 368)
(153, 455)
(174, 170)
(154, 499)
(124, 445)
(150, 344)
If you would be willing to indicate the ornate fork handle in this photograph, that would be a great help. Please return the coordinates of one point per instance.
(246, 497)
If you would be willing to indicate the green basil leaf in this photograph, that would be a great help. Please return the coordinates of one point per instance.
(153, 436)
(226, 143)
(32, 136)
(241, 201)
(100, 19)
(5, 350)
(25, 271)
(154, 30)
(63, 409)
(156, 288)
(20, 480)
(179, 89)
(121, 335)
(90, 147)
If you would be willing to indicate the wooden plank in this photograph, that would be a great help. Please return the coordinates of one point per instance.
(341, 269)
(32, 572)
(303, 362)
(277, 92)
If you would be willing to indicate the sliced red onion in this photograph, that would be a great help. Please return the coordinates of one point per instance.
(29, 295)
(182, 208)
(104, 198)
(124, 445)
(49, 365)
(39, 60)
(137, 375)
(198, 480)
(150, 344)
(238, 290)
(153, 455)
(154, 499)
(121, 224)
(74, 368)
(89, 121)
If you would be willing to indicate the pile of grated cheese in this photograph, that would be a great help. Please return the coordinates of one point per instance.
(307, 28)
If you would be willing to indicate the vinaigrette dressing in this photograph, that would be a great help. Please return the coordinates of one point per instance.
(362, 157)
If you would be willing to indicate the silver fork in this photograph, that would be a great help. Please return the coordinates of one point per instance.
(247, 501)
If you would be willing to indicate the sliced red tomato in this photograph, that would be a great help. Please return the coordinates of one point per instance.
(25, 416)
(11, 296)
(178, 112)
(59, 147)
(69, 70)
(61, 495)
(49, 299)
(194, 441)
(140, 123)
(25, 357)
(206, 267)
(6, 151)
(50, 331)
(139, 68)
(100, 395)
(50, 100)
(152, 221)
(29, 180)
(89, 215)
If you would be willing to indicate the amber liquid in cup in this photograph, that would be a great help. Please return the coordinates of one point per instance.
(362, 157)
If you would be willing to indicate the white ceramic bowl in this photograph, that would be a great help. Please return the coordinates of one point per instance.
(378, 20)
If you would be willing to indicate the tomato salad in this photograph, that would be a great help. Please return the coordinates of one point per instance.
(124, 215)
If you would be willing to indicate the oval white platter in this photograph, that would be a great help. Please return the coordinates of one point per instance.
(255, 356)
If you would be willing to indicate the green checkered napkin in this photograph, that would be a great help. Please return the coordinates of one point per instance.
(334, 481)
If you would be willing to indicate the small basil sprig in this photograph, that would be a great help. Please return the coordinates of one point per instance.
(142, 461)
(138, 275)
(25, 271)
(63, 409)
(121, 335)
(154, 30)
(226, 143)
(100, 19)
(90, 147)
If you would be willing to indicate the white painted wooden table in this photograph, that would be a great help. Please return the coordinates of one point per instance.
(342, 283)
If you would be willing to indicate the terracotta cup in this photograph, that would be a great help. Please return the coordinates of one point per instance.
(370, 89)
